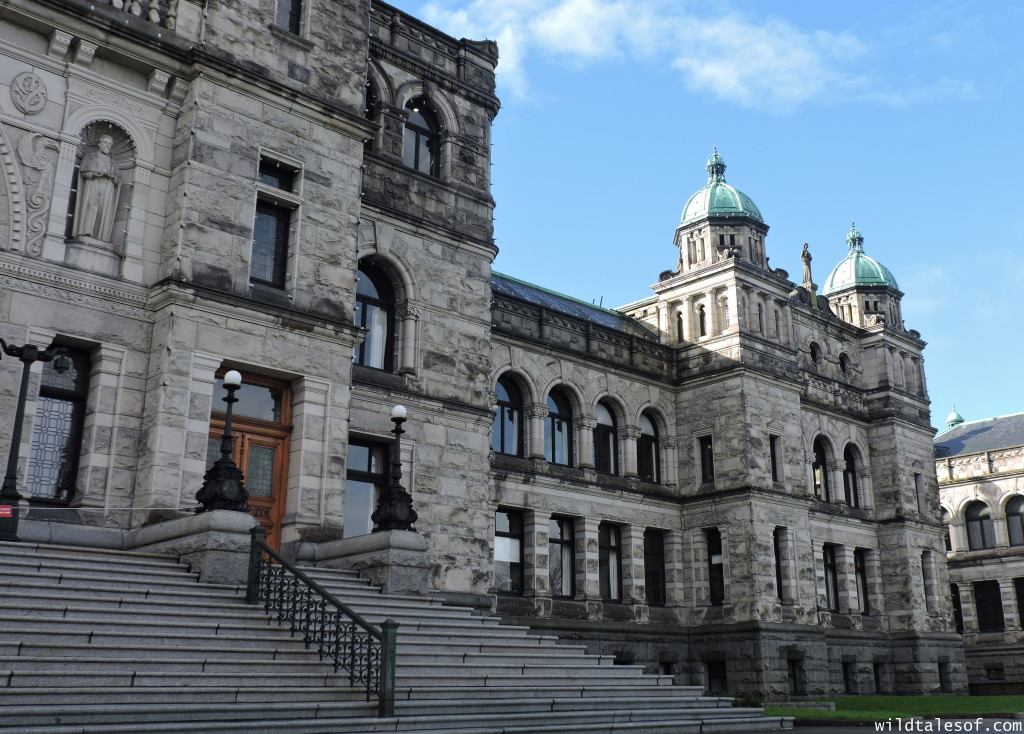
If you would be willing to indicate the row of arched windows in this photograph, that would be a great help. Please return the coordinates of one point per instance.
(821, 471)
(509, 435)
(421, 141)
(981, 530)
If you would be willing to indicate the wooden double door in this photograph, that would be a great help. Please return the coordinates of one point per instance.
(261, 426)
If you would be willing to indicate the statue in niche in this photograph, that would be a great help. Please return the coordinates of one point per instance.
(98, 189)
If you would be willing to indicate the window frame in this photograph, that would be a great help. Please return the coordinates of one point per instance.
(716, 565)
(851, 487)
(831, 569)
(981, 532)
(606, 439)
(860, 572)
(991, 616)
(822, 484)
(415, 136)
(291, 11)
(609, 561)
(565, 557)
(558, 421)
(376, 448)
(706, 451)
(1015, 522)
(648, 451)
(508, 407)
(516, 535)
(774, 440)
(383, 302)
(655, 580)
(279, 200)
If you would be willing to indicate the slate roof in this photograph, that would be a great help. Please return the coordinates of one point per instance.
(569, 306)
(985, 435)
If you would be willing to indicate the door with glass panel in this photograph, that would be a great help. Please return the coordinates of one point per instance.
(261, 425)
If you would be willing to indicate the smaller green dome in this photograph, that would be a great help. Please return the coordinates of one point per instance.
(954, 419)
(718, 199)
(857, 269)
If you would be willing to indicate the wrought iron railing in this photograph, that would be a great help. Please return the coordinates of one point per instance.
(365, 651)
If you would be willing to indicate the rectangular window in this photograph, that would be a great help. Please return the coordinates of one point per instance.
(988, 600)
(922, 501)
(778, 539)
(795, 669)
(1018, 591)
(508, 551)
(654, 566)
(773, 453)
(707, 459)
(57, 429)
(276, 207)
(958, 610)
(849, 677)
(289, 15)
(717, 682)
(716, 566)
(365, 479)
(609, 547)
(828, 557)
(561, 557)
(860, 569)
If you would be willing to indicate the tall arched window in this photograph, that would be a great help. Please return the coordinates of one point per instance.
(981, 533)
(1015, 520)
(815, 354)
(558, 429)
(820, 471)
(422, 146)
(375, 312)
(850, 489)
(702, 321)
(507, 429)
(606, 441)
(945, 530)
(760, 318)
(648, 457)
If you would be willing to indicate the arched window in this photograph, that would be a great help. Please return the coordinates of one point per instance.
(778, 325)
(422, 146)
(760, 318)
(648, 454)
(375, 312)
(815, 354)
(1015, 520)
(850, 488)
(820, 471)
(507, 429)
(844, 364)
(679, 327)
(981, 533)
(606, 441)
(702, 321)
(945, 530)
(558, 429)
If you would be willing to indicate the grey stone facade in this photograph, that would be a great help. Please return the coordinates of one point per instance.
(265, 187)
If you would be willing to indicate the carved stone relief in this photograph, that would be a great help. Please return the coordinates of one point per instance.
(37, 177)
(28, 92)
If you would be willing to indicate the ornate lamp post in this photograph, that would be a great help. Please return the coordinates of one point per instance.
(223, 488)
(394, 508)
(9, 496)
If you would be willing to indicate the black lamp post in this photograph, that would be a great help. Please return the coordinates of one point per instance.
(394, 508)
(9, 496)
(223, 488)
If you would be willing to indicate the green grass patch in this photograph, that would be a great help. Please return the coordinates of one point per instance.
(880, 708)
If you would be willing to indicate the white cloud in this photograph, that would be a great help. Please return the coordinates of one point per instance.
(767, 64)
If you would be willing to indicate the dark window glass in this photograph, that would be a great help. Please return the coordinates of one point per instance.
(1015, 520)
(716, 673)
(981, 533)
(507, 427)
(508, 551)
(254, 401)
(820, 471)
(958, 610)
(57, 429)
(716, 566)
(375, 312)
(828, 555)
(778, 538)
(561, 557)
(815, 353)
(289, 15)
(946, 536)
(558, 430)
(1018, 591)
(648, 453)
(609, 547)
(989, 602)
(702, 321)
(654, 566)
(844, 364)
(270, 244)
(365, 479)
(860, 569)
(277, 175)
(773, 452)
(421, 147)
(707, 459)
(850, 489)
(795, 669)
(606, 441)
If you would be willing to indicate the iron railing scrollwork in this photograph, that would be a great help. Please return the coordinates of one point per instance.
(341, 635)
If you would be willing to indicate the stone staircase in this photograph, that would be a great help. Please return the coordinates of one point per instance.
(103, 642)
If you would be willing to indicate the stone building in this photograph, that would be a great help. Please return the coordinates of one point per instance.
(980, 467)
(725, 480)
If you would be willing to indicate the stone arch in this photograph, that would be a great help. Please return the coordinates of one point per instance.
(12, 218)
(522, 380)
(382, 83)
(446, 113)
(395, 265)
(1004, 499)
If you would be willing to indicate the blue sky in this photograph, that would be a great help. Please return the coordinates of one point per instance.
(905, 118)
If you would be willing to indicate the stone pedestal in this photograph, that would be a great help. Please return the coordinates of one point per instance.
(395, 560)
(215, 544)
(91, 254)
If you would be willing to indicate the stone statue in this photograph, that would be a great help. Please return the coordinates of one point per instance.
(98, 187)
(806, 257)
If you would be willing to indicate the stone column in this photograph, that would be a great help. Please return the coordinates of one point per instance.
(865, 488)
(536, 577)
(712, 315)
(585, 442)
(837, 491)
(311, 477)
(809, 472)
(669, 461)
(675, 569)
(958, 534)
(535, 414)
(634, 579)
(131, 265)
(846, 574)
(588, 579)
(100, 485)
(409, 316)
(685, 311)
(628, 436)
(663, 325)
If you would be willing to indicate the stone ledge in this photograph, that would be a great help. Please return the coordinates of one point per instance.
(395, 560)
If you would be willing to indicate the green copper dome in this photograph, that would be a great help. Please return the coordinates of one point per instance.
(857, 269)
(718, 199)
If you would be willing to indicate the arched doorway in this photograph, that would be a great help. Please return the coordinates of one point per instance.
(261, 425)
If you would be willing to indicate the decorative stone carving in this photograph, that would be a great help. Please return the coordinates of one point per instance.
(85, 52)
(28, 92)
(60, 42)
(98, 189)
(31, 150)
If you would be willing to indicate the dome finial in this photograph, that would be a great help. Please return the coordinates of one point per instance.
(716, 167)
(954, 419)
(854, 238)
